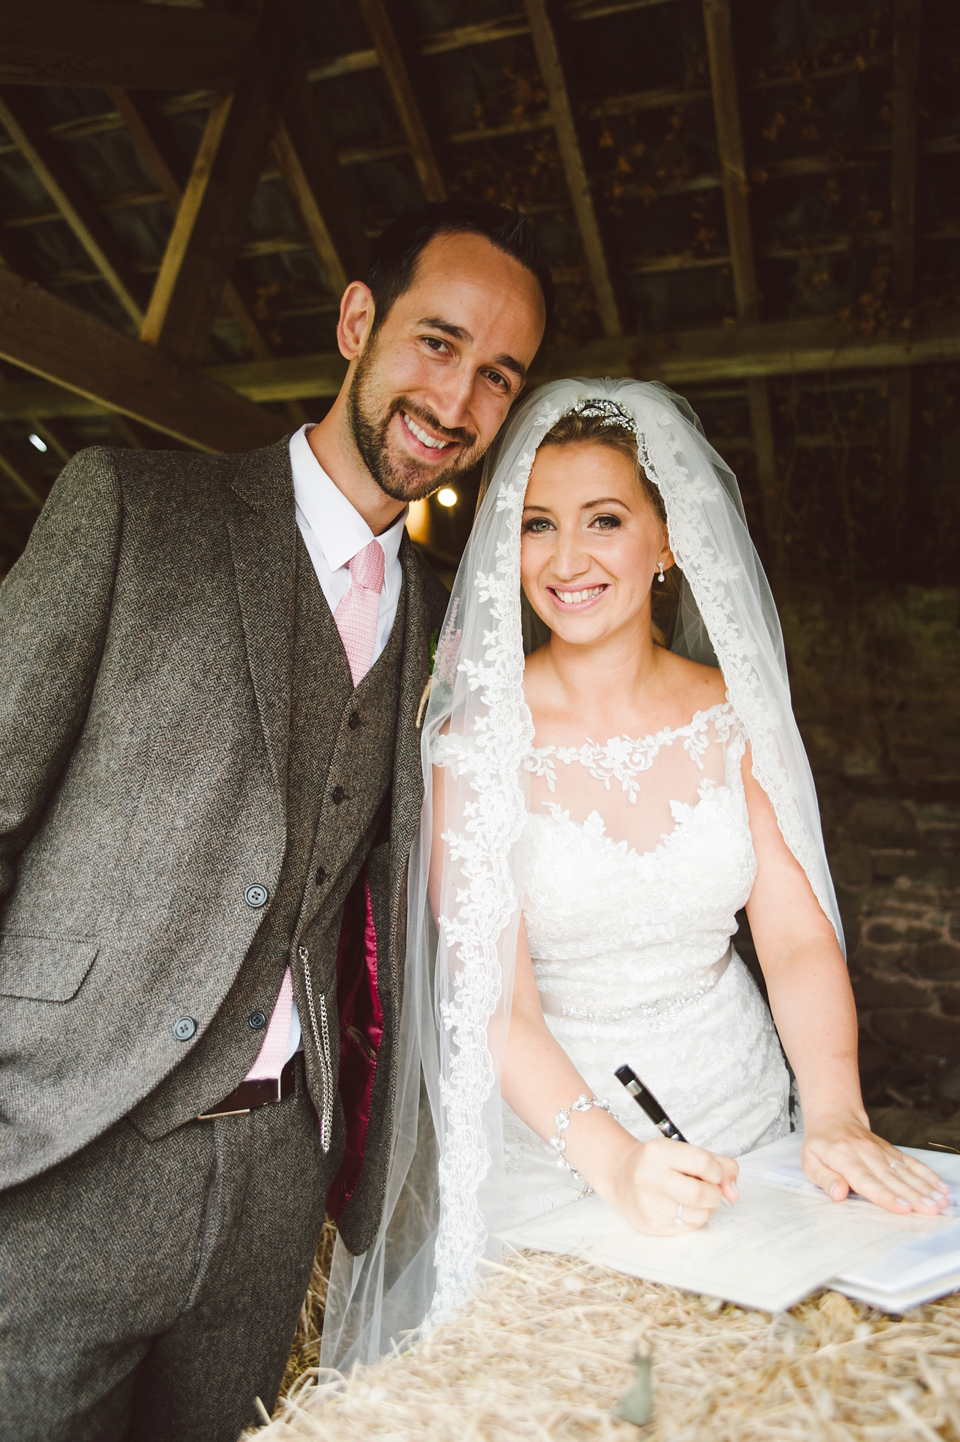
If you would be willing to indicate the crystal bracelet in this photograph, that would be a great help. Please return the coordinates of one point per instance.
(562, 1121)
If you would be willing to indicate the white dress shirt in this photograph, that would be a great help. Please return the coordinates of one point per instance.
(333, 532)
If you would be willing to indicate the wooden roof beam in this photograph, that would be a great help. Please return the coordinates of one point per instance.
(397, 74)
(746, 283)
(92, 43)
(903, 209)
(483, 32)
(210, 219)
(145, 127)
(63, 344)
(69, 195)
(704, 359)
(550, 63)
(307, 160)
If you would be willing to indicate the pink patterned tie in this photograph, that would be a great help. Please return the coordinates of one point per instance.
(359, 611)
(357, 617)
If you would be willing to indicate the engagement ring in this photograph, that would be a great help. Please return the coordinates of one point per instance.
(679, 1217)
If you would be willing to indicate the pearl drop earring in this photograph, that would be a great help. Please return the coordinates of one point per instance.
(660, 577)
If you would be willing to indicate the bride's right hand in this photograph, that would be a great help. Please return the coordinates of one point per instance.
(666, 1188)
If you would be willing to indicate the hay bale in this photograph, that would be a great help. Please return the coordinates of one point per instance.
(305, 1353)
(545, 1350)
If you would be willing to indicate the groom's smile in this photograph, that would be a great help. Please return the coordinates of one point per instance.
(429, 442)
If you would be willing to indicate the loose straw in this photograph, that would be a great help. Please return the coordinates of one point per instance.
(544, 1350)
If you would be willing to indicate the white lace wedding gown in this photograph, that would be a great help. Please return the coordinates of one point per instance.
(634, 858)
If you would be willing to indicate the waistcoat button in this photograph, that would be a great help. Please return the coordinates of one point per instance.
(337, 795)
(184, 1029)
(321, 875)
(256, 896)
(353, 721)
(256, 1020)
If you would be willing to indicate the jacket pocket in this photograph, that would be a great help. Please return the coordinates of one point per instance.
(44, 968)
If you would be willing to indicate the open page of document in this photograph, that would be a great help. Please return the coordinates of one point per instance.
(779, 1163)
(774, 1247)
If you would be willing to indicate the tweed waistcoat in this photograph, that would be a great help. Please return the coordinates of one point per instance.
(339, 766)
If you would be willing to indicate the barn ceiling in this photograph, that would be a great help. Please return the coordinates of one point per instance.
(752, 200)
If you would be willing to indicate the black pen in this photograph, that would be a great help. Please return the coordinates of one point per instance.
(649, 1103)
(645, 1098)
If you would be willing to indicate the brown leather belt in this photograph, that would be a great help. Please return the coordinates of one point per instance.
(252, 1094)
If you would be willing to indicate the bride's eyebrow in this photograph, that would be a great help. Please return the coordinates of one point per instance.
(604, 501)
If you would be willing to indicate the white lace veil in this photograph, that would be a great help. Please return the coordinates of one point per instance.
(446, 1182)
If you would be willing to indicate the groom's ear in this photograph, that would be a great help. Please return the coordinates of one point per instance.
(356, 319)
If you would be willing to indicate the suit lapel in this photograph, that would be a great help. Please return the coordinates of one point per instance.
(263, 532)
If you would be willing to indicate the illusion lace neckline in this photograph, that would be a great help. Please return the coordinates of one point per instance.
(623, 758)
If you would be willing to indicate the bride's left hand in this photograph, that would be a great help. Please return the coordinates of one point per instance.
(841, 1155)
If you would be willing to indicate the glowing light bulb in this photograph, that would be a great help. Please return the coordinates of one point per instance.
(447, 496)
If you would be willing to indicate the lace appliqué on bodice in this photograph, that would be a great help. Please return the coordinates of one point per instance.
(622, 759)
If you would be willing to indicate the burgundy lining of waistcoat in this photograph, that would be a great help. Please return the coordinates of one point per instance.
(361, 1032)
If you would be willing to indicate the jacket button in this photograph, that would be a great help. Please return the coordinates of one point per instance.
(321, 875)
(337, 795)
(185, 1028)
(256, 896)
(256, 1020)
(353, 720)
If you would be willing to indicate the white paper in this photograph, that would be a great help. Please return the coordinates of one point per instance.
(779, 1164)
(770, 1250)
(899, 1302)
(915, 1263)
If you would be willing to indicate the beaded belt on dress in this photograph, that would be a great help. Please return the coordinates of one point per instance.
(659, 1010)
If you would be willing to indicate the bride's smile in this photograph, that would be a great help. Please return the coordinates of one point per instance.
(592, 542)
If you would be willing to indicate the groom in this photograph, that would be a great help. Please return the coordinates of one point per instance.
(209, 783)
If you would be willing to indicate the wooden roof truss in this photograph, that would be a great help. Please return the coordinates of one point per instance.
(144, 358)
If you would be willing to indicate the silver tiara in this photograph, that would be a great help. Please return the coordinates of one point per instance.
(608, 413)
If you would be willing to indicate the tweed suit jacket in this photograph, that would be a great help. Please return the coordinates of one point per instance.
(145, 651)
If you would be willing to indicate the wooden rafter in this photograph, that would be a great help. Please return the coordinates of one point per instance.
(397, 74)
(210, 220)
(550, 63)
(483, 32)
(307, 160)
(903, 157)
(683, 358)
(69, 195)
(76, 350)
(161, 157)
(91, 43)
(145, 127)
(746, 282)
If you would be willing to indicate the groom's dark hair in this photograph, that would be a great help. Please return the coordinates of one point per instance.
(396, 252)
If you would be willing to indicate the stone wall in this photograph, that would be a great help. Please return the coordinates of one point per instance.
(877, 695)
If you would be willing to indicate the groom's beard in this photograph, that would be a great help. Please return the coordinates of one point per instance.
(401, 477)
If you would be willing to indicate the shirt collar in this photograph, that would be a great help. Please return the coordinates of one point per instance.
(338, 526)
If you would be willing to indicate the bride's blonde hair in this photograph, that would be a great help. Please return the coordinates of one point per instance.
(576, 427)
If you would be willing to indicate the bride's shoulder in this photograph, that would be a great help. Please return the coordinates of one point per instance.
(696, 687)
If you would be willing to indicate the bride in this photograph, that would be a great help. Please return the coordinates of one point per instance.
(596, 813)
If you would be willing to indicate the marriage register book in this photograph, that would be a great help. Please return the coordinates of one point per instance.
(779, 1243)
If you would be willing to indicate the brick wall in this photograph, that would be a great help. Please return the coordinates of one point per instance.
(877, 695)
